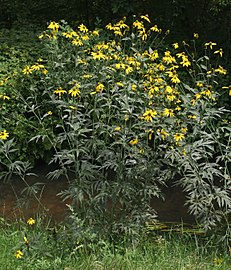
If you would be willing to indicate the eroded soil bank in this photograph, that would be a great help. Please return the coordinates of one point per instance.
(172, 209)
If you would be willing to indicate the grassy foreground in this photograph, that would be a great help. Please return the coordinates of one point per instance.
(158, 252)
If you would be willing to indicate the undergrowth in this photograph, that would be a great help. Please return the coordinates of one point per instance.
(38, 244)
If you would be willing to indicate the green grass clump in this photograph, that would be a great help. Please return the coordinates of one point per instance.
(42, 250)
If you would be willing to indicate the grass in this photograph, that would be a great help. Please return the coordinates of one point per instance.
(165, 252)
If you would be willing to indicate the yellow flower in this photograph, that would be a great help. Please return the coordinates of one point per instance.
(109, 26)
(141, 151)
(138, 25)
(168, 89)
(155, 29)
(198, 95)
(50, 113)
(75, 91)
(217, 261)
(199, 84)
(133, 141)
(210, 44)
(171, 97)
(207, 93)
(4, 97)
(73, 108)
(95, 32)
(27, 70)
(99, 88)
(118, 128)
(167, 32)
(143, 34)
(83, 28)
(162, 133)
(168, 58)
(184, 129)
(81, 61)
(175, 45)
(178, 137)
(150, 134)
(44, 71)
(145, 17)
(195, 35)
(134, 87)
(181, 54)
(184, 153)
(185, 62)
(37, 67)
(41, 36)
(40, 59)
(30, 221)
(77, 42)
(60, 92)
(128, 69)
(4, 135)
(161, 67)
(120, 84)
(220, 70)
(175, 79)
(67, 34)
(98, 55)
(192, 117)
(154, 55)
(18, 254)
(149, 115)
(26, 240)
(121, 24)
(220, 51)
(3, 81)
(168, 112)
(117, 32)
(53, 26)
(126, 118)
(227, 87)
(87, 76)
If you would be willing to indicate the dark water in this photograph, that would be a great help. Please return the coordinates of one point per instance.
(172, 209)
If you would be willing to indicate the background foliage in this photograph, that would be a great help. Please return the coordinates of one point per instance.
(210, 18)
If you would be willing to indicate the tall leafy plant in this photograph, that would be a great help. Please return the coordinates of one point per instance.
(122, 113)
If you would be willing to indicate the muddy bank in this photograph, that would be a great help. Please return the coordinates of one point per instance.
(172, 209)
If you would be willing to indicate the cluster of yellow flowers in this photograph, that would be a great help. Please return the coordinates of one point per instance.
(73, 92)
(152, 73)
(77, 38)
(19, 253)
(37, 67)
(120, 28)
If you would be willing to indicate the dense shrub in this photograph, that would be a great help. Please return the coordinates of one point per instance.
(122, 113)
